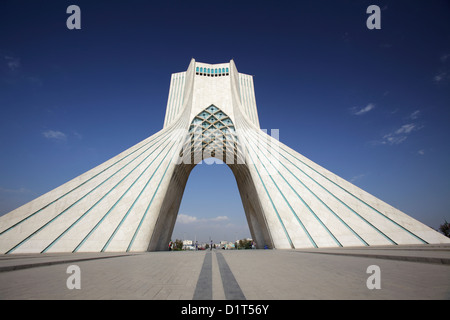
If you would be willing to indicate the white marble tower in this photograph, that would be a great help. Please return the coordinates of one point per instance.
(130, 202)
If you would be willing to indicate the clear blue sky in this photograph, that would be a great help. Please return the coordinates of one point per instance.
(372, 106)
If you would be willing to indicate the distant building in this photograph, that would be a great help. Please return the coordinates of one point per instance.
(188, 245)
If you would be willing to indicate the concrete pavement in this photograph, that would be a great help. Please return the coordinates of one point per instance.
(406, 272)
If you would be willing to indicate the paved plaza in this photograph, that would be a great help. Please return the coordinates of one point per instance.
(406, 272)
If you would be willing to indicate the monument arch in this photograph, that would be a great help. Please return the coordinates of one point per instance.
(130, 202)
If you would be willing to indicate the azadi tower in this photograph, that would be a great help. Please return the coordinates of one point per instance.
(131, 202)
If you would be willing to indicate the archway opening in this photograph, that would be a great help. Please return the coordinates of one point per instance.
(256, 223)
(212, 139)
(211, 208)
